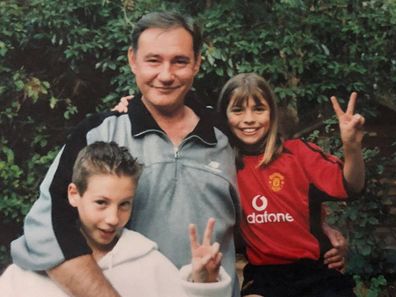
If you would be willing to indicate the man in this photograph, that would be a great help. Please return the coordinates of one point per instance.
(188, 175)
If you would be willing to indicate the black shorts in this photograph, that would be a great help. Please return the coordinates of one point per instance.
(306, 278)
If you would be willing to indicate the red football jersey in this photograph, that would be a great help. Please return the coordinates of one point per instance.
(281, 203)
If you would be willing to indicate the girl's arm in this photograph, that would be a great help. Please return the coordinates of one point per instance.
(351, 130)
(335, 257)
(122, 105)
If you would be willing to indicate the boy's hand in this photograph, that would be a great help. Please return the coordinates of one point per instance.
(122, 106)
(205, 257)
(351, 124)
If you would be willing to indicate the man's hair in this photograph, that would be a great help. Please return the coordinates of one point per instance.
(105, 158)
(168, 20)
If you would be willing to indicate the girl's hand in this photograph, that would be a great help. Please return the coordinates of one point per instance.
(351, 124)
(205, 257)
(122, 106)
(335, 257)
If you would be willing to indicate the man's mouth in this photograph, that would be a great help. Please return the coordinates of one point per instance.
(165, 89)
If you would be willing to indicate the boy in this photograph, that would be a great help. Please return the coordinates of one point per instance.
(103, 184)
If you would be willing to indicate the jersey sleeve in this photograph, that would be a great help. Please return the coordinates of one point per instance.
(51, 234)
(324, 171)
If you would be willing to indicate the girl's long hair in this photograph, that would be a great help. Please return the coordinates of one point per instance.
(242, 87)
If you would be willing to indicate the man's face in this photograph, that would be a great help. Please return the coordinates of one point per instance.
(164, 66)
(104, 208)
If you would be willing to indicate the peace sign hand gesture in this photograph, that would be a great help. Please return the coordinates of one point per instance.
(351, 124)
(205, 257)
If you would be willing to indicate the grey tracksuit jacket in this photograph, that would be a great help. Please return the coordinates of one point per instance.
(182, 185)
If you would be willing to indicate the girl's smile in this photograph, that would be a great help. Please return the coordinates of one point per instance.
(249, 120)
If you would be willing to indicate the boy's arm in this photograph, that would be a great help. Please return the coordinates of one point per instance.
(205, 257)
(221, 288)
(351, 128)
(82, 277)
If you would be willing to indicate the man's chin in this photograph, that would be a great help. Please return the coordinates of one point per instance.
(164, 101)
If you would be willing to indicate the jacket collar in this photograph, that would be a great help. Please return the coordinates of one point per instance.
(143, 122)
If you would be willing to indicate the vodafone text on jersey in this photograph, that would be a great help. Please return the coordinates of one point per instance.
(261, 216)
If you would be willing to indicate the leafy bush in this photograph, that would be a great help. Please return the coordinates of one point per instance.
(60, 61)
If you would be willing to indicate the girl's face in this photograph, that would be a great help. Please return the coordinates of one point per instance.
(249, 121)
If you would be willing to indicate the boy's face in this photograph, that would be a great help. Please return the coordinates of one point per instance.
(164, 66)
(104, 208)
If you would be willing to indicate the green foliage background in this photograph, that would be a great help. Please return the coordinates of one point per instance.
(61, 60)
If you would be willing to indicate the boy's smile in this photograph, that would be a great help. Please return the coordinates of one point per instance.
(104, 208)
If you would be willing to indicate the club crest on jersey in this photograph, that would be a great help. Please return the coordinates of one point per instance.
(276, 181)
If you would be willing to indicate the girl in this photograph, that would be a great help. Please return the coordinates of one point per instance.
(282, 185)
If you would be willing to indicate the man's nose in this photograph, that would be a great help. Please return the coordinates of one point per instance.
(166, 73)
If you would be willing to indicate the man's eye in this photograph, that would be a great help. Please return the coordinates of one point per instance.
(181, 61)
(100, 202)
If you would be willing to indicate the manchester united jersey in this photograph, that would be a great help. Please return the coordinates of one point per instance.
(282, 203)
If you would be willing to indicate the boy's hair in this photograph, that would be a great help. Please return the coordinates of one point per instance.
(103, 158)
(240, 88)
(167, 20)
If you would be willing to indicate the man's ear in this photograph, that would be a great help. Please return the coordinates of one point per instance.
(197, 65)
(132, 59)
(73, 195)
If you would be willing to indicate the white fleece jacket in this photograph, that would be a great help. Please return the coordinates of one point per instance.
(134, 267)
